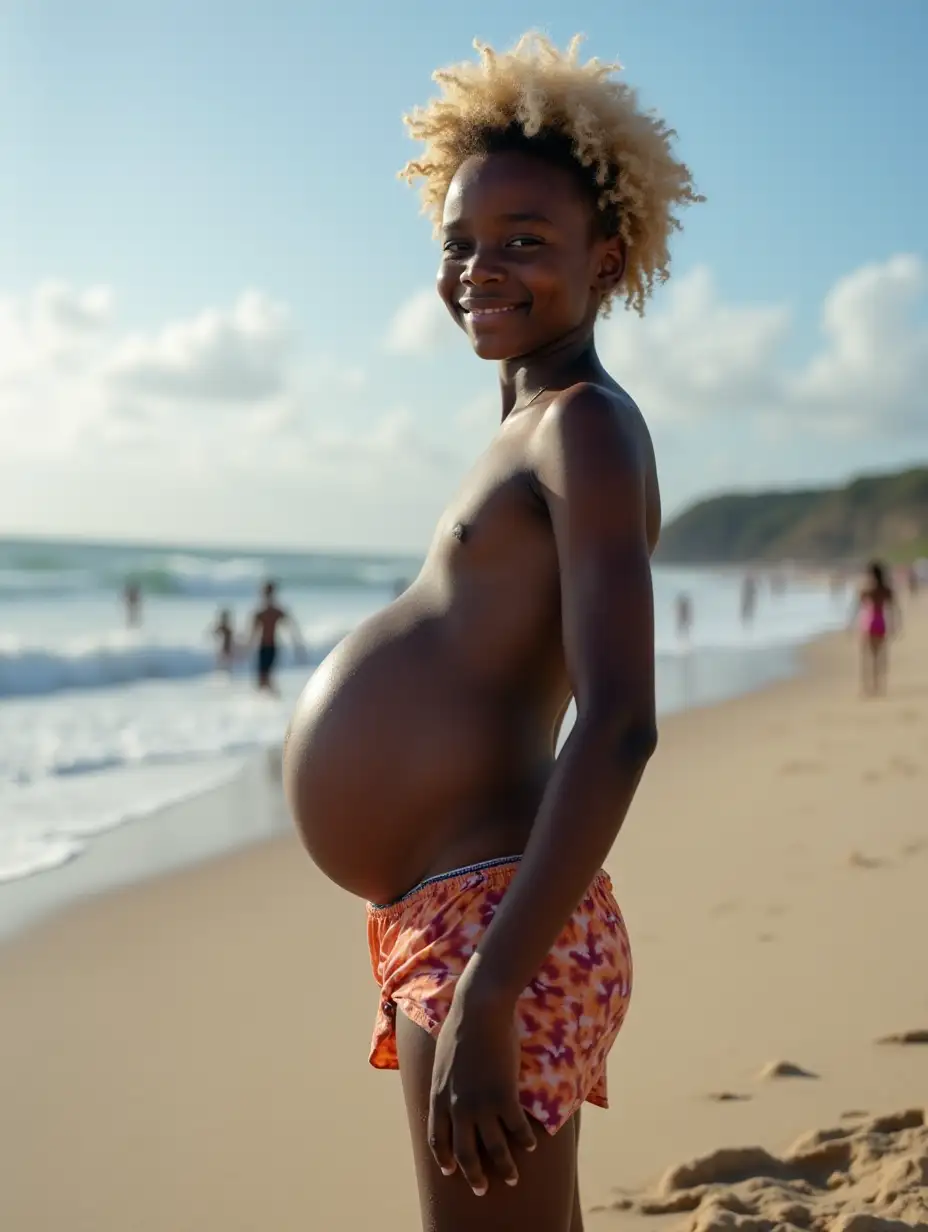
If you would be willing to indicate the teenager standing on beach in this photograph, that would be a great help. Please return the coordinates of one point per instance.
(878, 614)
(420, 765)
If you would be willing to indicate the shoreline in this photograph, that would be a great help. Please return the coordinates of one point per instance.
(219, 820)
(204, 827)
(217, 1020)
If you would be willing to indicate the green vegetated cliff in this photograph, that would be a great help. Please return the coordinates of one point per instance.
(886, 514)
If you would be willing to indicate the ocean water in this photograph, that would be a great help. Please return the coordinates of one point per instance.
(101, 725)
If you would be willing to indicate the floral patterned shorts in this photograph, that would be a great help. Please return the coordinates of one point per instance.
(567, 1018)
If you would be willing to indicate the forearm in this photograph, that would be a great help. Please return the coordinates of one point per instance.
(586, 800)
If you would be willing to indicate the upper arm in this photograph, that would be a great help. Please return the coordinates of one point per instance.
(595, 467)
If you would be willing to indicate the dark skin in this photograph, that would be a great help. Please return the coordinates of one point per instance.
(873, 662)
(536, 588)
(264, 625)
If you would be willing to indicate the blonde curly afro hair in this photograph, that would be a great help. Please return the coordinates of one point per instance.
(540, 100)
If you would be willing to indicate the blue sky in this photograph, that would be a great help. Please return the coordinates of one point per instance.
(204, 200)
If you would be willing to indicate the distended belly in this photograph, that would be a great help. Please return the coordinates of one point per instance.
(398, 766)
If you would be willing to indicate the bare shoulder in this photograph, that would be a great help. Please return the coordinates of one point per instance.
(587, 418)
(593, 440)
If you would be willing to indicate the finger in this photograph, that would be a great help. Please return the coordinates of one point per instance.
(439, 1136)
(464, 1136)
(496, 1148)
(519, 1127)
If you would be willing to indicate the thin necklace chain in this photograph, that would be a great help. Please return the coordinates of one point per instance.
(537, 394)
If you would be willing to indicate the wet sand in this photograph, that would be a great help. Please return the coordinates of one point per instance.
(190, 1053)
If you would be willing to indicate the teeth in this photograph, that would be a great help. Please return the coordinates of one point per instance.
(489, 312)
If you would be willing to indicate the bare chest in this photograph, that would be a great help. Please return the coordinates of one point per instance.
(496, 526)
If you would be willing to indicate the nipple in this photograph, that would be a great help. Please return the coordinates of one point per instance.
(459, 530)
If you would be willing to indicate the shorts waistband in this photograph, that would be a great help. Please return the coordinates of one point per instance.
(466, 871)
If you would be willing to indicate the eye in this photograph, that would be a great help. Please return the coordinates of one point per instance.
(454, 248)
(525, 241)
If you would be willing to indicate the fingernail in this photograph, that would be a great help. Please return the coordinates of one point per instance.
(512, 1180)
(481, 1191)
(447, 1171)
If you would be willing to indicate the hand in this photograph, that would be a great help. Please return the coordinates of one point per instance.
(474, 1112)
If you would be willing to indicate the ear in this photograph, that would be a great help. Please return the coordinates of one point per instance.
(612, 262)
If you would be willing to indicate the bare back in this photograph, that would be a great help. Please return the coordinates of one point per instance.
(425, 740)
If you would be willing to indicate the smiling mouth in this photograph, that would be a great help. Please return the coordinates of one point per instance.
(479, 313)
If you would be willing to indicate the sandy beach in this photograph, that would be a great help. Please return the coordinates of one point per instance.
(191, 1053)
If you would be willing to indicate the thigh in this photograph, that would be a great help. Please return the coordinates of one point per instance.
(545, 1199)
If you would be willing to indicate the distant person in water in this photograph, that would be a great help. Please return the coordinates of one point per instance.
(878, 615)
(132, 597)
(264, 625)
(684, 616)
(223, 634)
(748, 599)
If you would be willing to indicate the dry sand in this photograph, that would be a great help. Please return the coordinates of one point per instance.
(191, 1053)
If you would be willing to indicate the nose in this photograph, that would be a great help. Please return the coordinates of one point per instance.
(482, 269)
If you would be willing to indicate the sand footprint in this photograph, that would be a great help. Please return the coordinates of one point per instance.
(857, 859)
(784, 1069)
(726, 907)
(919, 1035)
(914, 847)
(801, 766)
(902, 765)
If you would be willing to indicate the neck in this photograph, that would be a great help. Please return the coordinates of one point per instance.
(554, 367)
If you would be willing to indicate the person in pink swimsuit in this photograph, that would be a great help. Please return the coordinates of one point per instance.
(877, 613)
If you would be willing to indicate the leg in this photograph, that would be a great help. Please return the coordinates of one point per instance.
(576, 1223)
(866, 667)
(265, 666)
(879, 665)
(545, 1198)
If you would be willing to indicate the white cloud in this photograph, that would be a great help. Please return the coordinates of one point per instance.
(239, 354)
(231, 401)
(50, 326)
(872, 372)
(59, 307)
(51, 344)
(420, 326)
(228, 403)
(700, 359)
(71, 379)
(696, 356)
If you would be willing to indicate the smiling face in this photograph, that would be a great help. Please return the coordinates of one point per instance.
(523, 263)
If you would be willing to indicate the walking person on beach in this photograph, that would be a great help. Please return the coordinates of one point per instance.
(877, 612)
(264, 625)
(420, 763)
